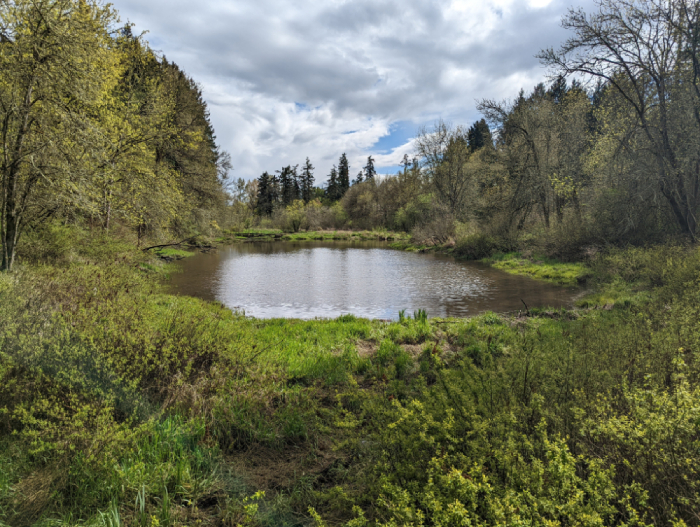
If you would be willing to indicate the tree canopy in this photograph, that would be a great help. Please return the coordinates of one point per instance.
(94, 125)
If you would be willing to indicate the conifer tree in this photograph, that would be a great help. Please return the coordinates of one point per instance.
(333, 188)
(307, 181)
(266, 194)
(370, 172)
(558, 89)
(479, 135)
(274, 192)
(343, 175)
(360, 177)
(287, 185)
(296, 184)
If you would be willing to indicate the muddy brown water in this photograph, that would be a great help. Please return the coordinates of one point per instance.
(320, 279)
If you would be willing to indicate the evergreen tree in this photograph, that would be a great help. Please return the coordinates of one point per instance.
(343, 175)
(200, 165)
(333, 188)
(266, 194)
(274, 191)
(287, 183)
(370, 172)
(297, 183)
(360, 178)
(307, 181)
(479, 135)
(558, 89)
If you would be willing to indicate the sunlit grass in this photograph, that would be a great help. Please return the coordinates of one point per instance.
(329, 235)
(541, 268)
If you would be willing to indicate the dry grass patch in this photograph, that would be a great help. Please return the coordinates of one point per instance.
(273, 469)
(366, 348)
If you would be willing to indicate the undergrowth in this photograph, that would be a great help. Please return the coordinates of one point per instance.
(122, 405)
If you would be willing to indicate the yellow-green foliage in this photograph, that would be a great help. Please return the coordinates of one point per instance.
(119, 401)
(271, 235)
(541, 268)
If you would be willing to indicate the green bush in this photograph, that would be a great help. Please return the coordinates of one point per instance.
(479, 246)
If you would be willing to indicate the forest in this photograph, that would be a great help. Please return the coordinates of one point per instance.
(122, 404)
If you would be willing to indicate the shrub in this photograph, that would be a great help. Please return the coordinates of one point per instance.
(481, 245)
(476, 246)
(294, 217)
(414, 212)
(437, 228)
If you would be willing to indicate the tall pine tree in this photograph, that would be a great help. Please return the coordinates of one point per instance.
(266, 194)
(333, 188)
(343, 175)
(287, 185)
(307, 181)
(370, 172)
(479, 136)
(297, 183)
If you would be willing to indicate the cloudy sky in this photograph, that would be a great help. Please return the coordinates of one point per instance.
(285, 80)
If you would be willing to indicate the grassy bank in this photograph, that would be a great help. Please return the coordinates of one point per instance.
(253, 235)
(122, 405)
(538, 267)
(541, 268)
(521, 263)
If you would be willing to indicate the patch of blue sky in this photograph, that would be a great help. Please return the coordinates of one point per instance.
(387, 171)
(400, 133)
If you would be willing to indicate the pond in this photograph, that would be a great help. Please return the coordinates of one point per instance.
(321, 279)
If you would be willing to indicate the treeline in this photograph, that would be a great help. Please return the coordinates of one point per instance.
(290, 184)
(567, 165)
(96, 129)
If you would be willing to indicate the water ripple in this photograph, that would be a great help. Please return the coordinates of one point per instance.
(311, 280)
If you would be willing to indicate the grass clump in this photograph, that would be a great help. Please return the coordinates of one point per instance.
(170, 253)
(541, 268)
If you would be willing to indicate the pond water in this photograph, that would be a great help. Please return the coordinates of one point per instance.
(316, 279)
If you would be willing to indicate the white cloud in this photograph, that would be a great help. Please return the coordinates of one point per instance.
(318, 78)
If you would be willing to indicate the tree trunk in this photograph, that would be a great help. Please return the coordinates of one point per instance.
(545, 210)
(684, 216)
(9, 238)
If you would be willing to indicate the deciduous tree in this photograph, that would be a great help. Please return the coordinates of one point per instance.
(648, 51)
(56, 64)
